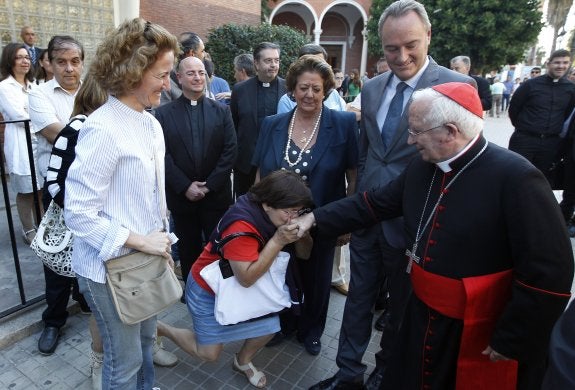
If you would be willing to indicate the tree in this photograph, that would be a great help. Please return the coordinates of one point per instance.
(491, 32)
(557, 12)
(227, 41)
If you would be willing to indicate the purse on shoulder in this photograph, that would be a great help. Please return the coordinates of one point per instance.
(141, 285)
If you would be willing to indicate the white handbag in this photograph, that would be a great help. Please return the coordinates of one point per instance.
(235, 303)
(53, 242)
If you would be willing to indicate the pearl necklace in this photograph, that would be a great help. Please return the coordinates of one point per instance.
(307, 140)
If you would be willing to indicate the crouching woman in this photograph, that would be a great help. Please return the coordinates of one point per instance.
(266, 210)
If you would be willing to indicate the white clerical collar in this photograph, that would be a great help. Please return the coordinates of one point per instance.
(444, 165)
(264, 84)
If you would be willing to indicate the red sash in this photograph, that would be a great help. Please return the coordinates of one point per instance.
(478, 301)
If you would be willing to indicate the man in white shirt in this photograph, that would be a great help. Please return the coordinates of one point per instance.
(50, 107)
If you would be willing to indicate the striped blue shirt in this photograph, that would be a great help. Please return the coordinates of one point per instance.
(111, 187)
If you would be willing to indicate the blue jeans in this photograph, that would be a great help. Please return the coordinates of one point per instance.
(128, 362)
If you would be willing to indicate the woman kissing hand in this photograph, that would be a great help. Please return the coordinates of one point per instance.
(304, 223)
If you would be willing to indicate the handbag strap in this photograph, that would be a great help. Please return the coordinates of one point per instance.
(161, 186)
(225, 267)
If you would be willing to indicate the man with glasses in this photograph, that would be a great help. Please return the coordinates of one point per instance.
(489, 258)
(339, 78)
(535, 71)
(538, 110)
(252, 100)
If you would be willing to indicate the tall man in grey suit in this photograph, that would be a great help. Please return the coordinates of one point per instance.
(201, 150)
(405, 33)
(252, 100)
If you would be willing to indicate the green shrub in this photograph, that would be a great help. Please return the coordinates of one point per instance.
(227, 41)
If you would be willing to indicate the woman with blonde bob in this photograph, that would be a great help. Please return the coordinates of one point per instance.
(112, 202)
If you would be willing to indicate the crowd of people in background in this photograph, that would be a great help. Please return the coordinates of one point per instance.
(386, 164)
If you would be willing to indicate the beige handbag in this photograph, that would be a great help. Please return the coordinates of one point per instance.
(141, 284)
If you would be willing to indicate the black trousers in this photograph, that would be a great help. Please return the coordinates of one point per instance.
(541, 152)
(243, 181)
(316, 276)
(372, 258)
(58, 289)
(193, 230)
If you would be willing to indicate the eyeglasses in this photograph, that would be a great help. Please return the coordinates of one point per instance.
(296, 213)
(416, 133)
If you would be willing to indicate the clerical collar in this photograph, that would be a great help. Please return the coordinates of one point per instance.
(445, 165)
(195, 102)
(266, 85)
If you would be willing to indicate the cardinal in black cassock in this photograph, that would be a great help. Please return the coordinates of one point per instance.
(490, 260)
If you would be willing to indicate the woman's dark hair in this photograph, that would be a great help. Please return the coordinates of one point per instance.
(281, 190)
(40, 73)
(8, 59)
(209, 65)
(356, 78)
(314, 64)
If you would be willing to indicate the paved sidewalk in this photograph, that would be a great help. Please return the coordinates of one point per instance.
(287, 366)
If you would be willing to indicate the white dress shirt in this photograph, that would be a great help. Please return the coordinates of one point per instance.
(390, 93)
(111, 187)
(49, 103)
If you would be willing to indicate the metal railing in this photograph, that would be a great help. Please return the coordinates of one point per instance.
(24, 301)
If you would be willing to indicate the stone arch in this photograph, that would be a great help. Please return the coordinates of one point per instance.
(310, 18)
(353, 13)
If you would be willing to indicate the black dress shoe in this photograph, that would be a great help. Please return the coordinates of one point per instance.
(375, 379)
(335, 383)
(382, 321)
(48, 340)
(312, 346)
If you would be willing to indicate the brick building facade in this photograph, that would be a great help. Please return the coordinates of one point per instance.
(200, 16)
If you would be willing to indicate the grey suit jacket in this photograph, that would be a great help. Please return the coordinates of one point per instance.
(379, 165)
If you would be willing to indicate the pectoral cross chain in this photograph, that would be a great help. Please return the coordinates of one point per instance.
(412, 257)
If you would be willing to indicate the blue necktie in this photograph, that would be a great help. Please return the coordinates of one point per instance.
(393, 115)
(32, 55)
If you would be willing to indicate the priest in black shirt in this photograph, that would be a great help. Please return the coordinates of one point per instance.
(252, 100)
